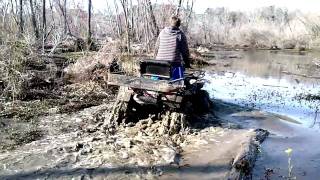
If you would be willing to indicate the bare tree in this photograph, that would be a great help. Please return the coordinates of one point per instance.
(89, 40)
(132, 23)
(190, 9)
(21, 18)
(14, 12)
(125, 8)
(153, 19)
(52, 19)
(44, 19)
(66, 27)
(34, 20)
(118, 19)
(44, 25)
(179, 7)
(4, 9)
(63, 9)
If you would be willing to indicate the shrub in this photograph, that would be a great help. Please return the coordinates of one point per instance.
(13, 59)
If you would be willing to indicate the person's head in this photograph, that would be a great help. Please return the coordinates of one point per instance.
(175, 21)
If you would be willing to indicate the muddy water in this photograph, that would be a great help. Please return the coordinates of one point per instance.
(262, 89)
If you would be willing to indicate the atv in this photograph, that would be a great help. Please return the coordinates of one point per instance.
(156, 93)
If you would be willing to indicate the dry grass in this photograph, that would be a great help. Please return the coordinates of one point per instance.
(263, 34)
(13, 59)
(263, 28)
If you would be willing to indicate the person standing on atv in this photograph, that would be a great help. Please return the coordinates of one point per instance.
(172, 46)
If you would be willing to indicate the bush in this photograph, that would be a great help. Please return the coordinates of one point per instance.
(13, 59)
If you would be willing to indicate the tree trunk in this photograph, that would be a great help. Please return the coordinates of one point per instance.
(44, 19)
(179, 7)
(34, 20)
(132, 20)
(64, 12)
(124, 4)
(153, 19)
(21, 18)
(89, 40)
(44, 25)
(118, 19)
(52, 18)
(63, 9)
(147, 30)
(137, 24)
(189, 16)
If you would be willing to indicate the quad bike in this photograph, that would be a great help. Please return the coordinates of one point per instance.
(139, 97)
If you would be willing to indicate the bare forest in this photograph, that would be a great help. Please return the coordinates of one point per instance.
(49, 23)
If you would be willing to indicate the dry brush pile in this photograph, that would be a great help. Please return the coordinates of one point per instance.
(13, 69)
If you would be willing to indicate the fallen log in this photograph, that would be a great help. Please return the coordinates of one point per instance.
(243, 163)
(301, 75)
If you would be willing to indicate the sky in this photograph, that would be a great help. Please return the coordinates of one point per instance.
(243, 5)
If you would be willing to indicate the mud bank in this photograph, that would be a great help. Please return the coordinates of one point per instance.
(76, 146)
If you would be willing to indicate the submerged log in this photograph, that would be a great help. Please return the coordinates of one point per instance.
(302, 75)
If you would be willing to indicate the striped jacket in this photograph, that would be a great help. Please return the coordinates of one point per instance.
(172, 46)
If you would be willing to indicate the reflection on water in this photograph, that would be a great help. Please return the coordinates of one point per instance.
(268, 64)
(260, 80)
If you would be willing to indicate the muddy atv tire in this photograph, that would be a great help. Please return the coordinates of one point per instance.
(201, 102)
(121, 107)
(118, 113)
(173, 123)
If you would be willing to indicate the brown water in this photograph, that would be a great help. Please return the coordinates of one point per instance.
(264, 88)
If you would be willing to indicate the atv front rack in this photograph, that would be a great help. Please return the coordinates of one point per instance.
(144, 83)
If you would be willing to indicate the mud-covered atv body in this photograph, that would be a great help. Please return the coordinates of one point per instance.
(138, 97)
